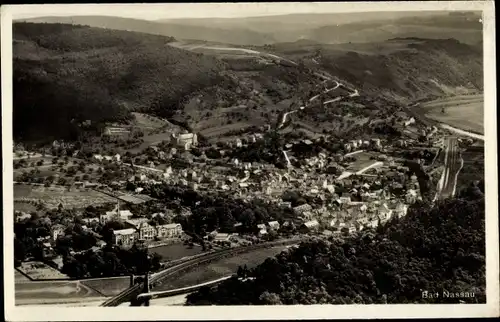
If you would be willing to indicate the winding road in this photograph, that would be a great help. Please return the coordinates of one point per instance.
(312, 99)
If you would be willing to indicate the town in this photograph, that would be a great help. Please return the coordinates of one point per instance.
(343, 189)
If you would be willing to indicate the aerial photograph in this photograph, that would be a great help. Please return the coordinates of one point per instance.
(259, 158)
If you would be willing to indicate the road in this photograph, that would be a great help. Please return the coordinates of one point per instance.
(453, 163)
(279, 59)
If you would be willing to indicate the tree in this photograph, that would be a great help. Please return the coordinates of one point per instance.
(268, 298)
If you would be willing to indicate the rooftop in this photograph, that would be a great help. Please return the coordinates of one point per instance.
(128, 231)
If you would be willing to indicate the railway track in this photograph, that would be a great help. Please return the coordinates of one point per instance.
(132, 292)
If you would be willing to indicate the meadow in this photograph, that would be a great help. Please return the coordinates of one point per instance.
(362, 160)
(465, 111)
(108, 286)
(40, 271)
(176, 251)
(53, 290)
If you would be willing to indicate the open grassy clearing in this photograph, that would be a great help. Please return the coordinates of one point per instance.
(362, 160)
(454, 101)
(218, 269)
(149, 121)
(465, 112)
(473, 169)
(151, 139)
(176, 251)
(24, 207)
(220, 130)
(50, 169)
(55, 195)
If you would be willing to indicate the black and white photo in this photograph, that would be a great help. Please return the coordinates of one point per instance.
(250, 154)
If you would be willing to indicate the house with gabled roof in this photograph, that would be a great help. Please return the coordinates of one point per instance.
(309, 226)
(372, 222)
(384, 212)
(124, 237)
(146, 231)
(299, 210)
(400, 210)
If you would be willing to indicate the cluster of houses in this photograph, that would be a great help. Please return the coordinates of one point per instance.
(185, 140)
(142, 231)
(348, 217)
(139, 228)
(239, 142)
(101, 158)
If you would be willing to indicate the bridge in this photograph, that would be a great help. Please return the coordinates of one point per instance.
(139, 294)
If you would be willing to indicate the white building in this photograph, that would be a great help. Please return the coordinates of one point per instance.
(274, 225)
(169, 231)
(124, 237)
(187, 140)
(311, 225)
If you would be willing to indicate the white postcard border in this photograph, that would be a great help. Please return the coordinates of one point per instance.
(490, 309)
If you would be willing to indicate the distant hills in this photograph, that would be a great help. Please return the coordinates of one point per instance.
(66, 75)
(329, 28)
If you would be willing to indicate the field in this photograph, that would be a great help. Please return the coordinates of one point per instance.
(49, 169)
(176, 251)
(55, 195)
(108, 286)
(151, 139)
(362, 161)
(53, 290)
(215, 270)
(465, 112)
(24, 207)
(40, 271)
(148, 121)
(221, 130)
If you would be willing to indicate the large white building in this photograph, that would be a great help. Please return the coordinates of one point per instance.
(186, 140)
(169, 231)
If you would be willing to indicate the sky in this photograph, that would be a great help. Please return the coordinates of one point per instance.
(219, 10)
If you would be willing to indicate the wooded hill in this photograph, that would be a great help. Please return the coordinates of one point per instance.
(65, 75)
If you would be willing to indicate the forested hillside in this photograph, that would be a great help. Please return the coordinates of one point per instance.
(68, 78)
(438, 249)
(399, 68)
(65, 75)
